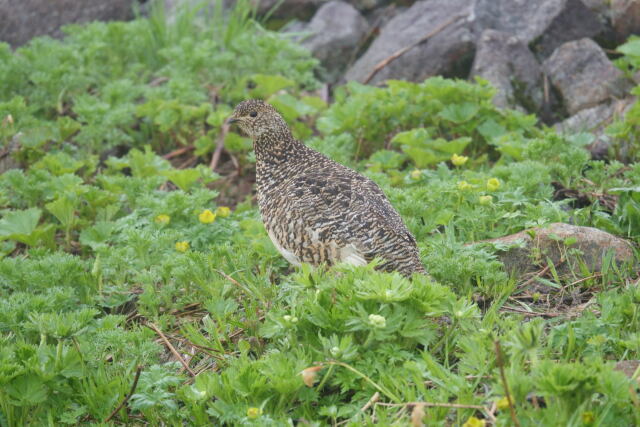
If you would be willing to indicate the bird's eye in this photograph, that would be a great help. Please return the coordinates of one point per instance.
(253, 114)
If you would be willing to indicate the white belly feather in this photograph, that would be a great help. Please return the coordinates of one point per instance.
(348, 254)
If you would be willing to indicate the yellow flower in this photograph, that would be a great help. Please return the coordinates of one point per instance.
(588, 417)
(254, 413)
(163, 219)
(463, 185)
(474, 422)
(493, 184)
(416, 174)
(223, 211)
(459, 160)
(502, 403)
(182, 246)
(485, 200)
(207, 217)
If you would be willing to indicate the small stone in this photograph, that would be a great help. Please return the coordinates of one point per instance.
(584, 76)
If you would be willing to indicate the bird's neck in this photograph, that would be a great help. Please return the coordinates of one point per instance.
(277, 147)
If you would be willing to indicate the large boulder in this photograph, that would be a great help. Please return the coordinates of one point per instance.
(20, 21)
(584, 76)
(336, 31)
(508, 64)
(545, 24)
(528, 251)
(452, 40)
(625, 17)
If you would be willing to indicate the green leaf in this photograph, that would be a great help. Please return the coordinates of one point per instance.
(491, 129)
(20, 225)
(413, 137)
(236, 143)
(267, 85)
(27, 389)
(290, 107)
(97, 235)
(63, 209)
(454, 146)
(631, 48)
(183, 178)
(459, 113)
(203, 145)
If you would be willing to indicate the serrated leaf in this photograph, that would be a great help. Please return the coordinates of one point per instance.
(19, 223)
(267, 85)
(97, 235)
(183, 178)
(459, 113)
(63, 209)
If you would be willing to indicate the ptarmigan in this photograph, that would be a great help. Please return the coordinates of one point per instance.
(319, 211)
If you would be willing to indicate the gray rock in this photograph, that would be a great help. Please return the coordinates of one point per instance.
(625, 17)
(287, 9)
(595, 120)
(21, 20)
(508, 64)
(584, 76)
(628, 367)
(304, 9)
(601, 7)
(528, 250)
(337, 29)
(7, 161)
(452, 41)
(545, 24)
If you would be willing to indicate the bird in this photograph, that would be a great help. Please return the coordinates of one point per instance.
(318, 211)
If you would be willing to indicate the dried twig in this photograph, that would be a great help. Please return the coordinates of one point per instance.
(380, 65)
(128, 396)
(178, 151)
(540, 273)
(500, 363)
(584, 279)
(467, 377)
(532, 313)
(187, 163)
(374, 399)
(433, 405)
(219, 146)
(171, 348)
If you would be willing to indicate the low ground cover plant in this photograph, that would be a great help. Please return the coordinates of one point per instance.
(134, 290)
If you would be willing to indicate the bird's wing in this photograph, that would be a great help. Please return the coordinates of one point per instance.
(346, 197)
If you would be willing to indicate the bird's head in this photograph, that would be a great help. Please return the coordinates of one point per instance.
(255, 117)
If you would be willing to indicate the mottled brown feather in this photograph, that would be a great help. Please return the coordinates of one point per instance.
(317, 210)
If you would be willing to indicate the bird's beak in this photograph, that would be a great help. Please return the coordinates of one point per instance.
(231, 120)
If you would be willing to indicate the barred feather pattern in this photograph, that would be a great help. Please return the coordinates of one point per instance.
(316, 210)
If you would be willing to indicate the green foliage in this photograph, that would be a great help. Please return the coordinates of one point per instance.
(104, 242)
(437, 116)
